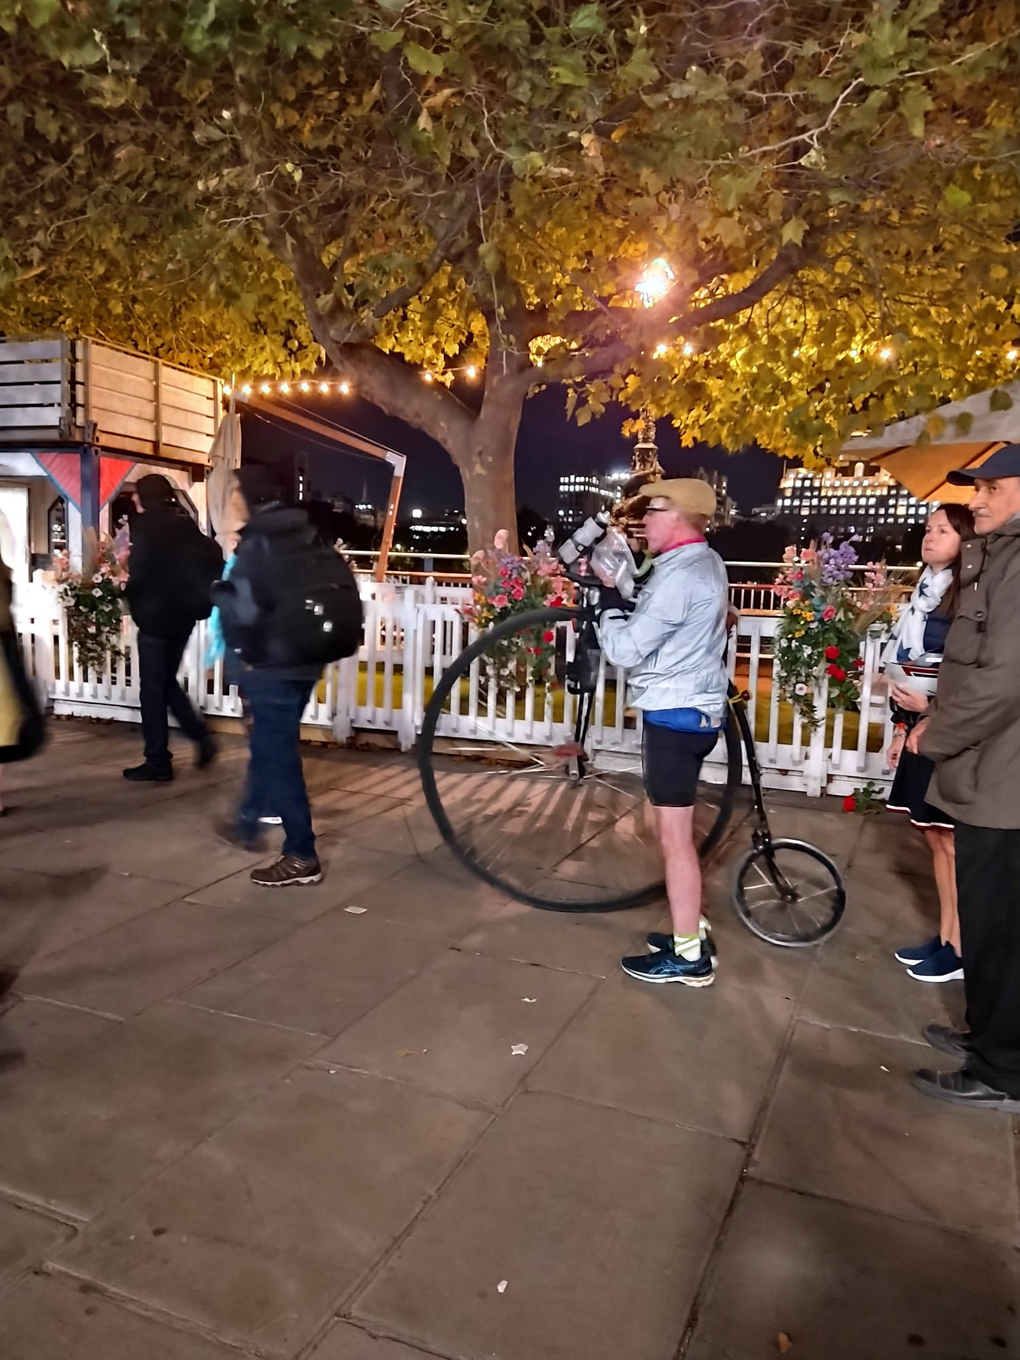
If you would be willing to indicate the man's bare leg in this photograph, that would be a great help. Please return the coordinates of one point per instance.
(683, 868)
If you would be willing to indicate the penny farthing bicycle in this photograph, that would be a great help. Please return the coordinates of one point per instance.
(530, 798)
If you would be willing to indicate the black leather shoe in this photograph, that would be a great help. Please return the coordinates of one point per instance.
(961, 1088)
(149, 774)
(947, 1040)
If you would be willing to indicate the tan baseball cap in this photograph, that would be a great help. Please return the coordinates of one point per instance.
(689, 495)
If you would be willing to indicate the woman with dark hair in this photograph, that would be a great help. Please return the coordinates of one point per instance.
(911, 662)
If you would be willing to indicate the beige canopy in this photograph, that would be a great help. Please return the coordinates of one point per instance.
(965, 433)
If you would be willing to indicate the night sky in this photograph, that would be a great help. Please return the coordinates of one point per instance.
(548, 446)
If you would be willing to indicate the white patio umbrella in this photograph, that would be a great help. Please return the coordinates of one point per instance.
(922, 451)
(226, 509)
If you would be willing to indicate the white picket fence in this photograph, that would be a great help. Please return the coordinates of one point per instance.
(411, 635)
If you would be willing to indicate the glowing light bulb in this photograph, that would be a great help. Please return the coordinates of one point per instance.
(246, 389)
(227, 391)
(304, 387)
(471, 371)
(688, 349)
(660, 350)
(885, 354)
(655, 281)
(323, 387)
(345, 387)
(285, 387)
(428, 377)
(1012, 355)
(265, 388)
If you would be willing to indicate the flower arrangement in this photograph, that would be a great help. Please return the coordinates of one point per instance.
(819, 635)
(91, 600)
(506, 584)
(865, 801)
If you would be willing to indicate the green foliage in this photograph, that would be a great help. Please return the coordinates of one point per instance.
(247, 184)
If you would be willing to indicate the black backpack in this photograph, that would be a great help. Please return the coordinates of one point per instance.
(316, 615)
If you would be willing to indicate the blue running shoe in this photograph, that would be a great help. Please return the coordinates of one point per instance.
(658, 942)
(919, 952)
(943, 966)
(668, 967)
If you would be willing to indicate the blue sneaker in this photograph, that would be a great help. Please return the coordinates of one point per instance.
(659, 943)
(919, 952)
(943, 966)
(668, 967)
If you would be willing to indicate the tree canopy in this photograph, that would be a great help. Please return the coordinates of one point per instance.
(409, 185)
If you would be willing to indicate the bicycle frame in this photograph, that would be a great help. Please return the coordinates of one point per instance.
(761, 836)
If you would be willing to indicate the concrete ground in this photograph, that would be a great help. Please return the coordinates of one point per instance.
(256, 1124)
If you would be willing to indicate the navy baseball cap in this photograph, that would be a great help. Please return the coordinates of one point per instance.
(1003, 463)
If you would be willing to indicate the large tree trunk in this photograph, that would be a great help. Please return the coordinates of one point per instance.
(486, 463)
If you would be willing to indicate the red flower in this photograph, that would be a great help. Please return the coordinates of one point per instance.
(556, 599)
(849, 803)
(859, 663)
(548, 636)
(831, 653)
(837, 672)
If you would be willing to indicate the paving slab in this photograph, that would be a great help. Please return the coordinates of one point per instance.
(322, 976)
(258, 1233)
(895, 908)
(857, 984)
(47, 1319)
(26, 1238)
(346, 1342)
(454, 1027)
(846, 1123)
(891, 840)
(434, 892)
(846, 1284)
(587, 942)
(700, 1058)
(43, 1031)
(80, 1135)
(348, 869)
(144, 960)
(746, 961)
(43, 913)
(600, 1257)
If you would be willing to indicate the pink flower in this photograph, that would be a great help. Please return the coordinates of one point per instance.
(789, 553)
(828, 614)
(502, 540)
(517, 593)
(809, 555)
(500, 601)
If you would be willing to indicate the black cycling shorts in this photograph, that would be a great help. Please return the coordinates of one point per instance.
(672, 762)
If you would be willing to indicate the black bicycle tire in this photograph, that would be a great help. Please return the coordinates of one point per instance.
(461, 664)
(804, 847)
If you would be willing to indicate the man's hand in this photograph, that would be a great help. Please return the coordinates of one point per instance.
(916, 736)
(892, 756)
(910, 700)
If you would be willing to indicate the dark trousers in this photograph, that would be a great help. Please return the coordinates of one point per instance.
(276, 781)
(988, 884)
(159, 660)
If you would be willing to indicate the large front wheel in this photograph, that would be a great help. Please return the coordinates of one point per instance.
(532, 770)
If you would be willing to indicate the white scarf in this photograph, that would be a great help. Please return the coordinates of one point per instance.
(907, 641)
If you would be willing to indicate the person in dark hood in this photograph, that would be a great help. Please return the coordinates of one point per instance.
(277, 546)
(170, 574)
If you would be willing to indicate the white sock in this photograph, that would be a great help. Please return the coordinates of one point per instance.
(687, 947)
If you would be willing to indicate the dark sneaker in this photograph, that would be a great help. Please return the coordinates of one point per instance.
(919, 952)
(288, 870)
(943, 966)
(239, 837)
(961, 1088)
(206, 753)
(149, 774)
(668, 967)
(947, 1040)
(659, 943)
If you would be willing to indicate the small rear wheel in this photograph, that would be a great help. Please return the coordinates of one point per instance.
(789, 893)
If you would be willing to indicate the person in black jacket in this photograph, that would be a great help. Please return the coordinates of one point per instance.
(273, 556)
(170, 574)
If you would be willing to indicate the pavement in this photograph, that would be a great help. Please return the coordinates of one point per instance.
(396, 1115)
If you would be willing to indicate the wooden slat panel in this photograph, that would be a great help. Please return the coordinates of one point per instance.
(12, 350)
(122, 363)
(31, 372)
(188, 401)
(110, 380)
(186, 439)
(113, 422)
(35, 394)
(182, 381)
(30, 417)
(189, 420)
(115, 404)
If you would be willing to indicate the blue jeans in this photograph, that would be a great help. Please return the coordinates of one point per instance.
(276, 781)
